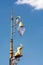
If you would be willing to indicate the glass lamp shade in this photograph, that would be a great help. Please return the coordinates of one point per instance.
(15, 61)
(21, 30)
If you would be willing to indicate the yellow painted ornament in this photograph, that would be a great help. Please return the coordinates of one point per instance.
(20, 24)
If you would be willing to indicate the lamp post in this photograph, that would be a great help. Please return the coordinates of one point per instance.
(15, 57)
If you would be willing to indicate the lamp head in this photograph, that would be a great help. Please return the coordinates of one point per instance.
(21, 29)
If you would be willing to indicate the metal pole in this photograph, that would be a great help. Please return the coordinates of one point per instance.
(11, 40)
(12, 20)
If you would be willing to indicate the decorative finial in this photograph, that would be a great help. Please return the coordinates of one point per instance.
(19, 51)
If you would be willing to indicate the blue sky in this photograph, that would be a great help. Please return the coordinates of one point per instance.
(32, 40)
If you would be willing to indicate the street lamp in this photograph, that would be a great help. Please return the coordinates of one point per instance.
(21, 29)
(15, 57)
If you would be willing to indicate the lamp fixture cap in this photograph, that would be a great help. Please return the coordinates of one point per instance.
(20, 24)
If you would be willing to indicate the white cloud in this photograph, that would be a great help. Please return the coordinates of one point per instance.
(37, 4)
